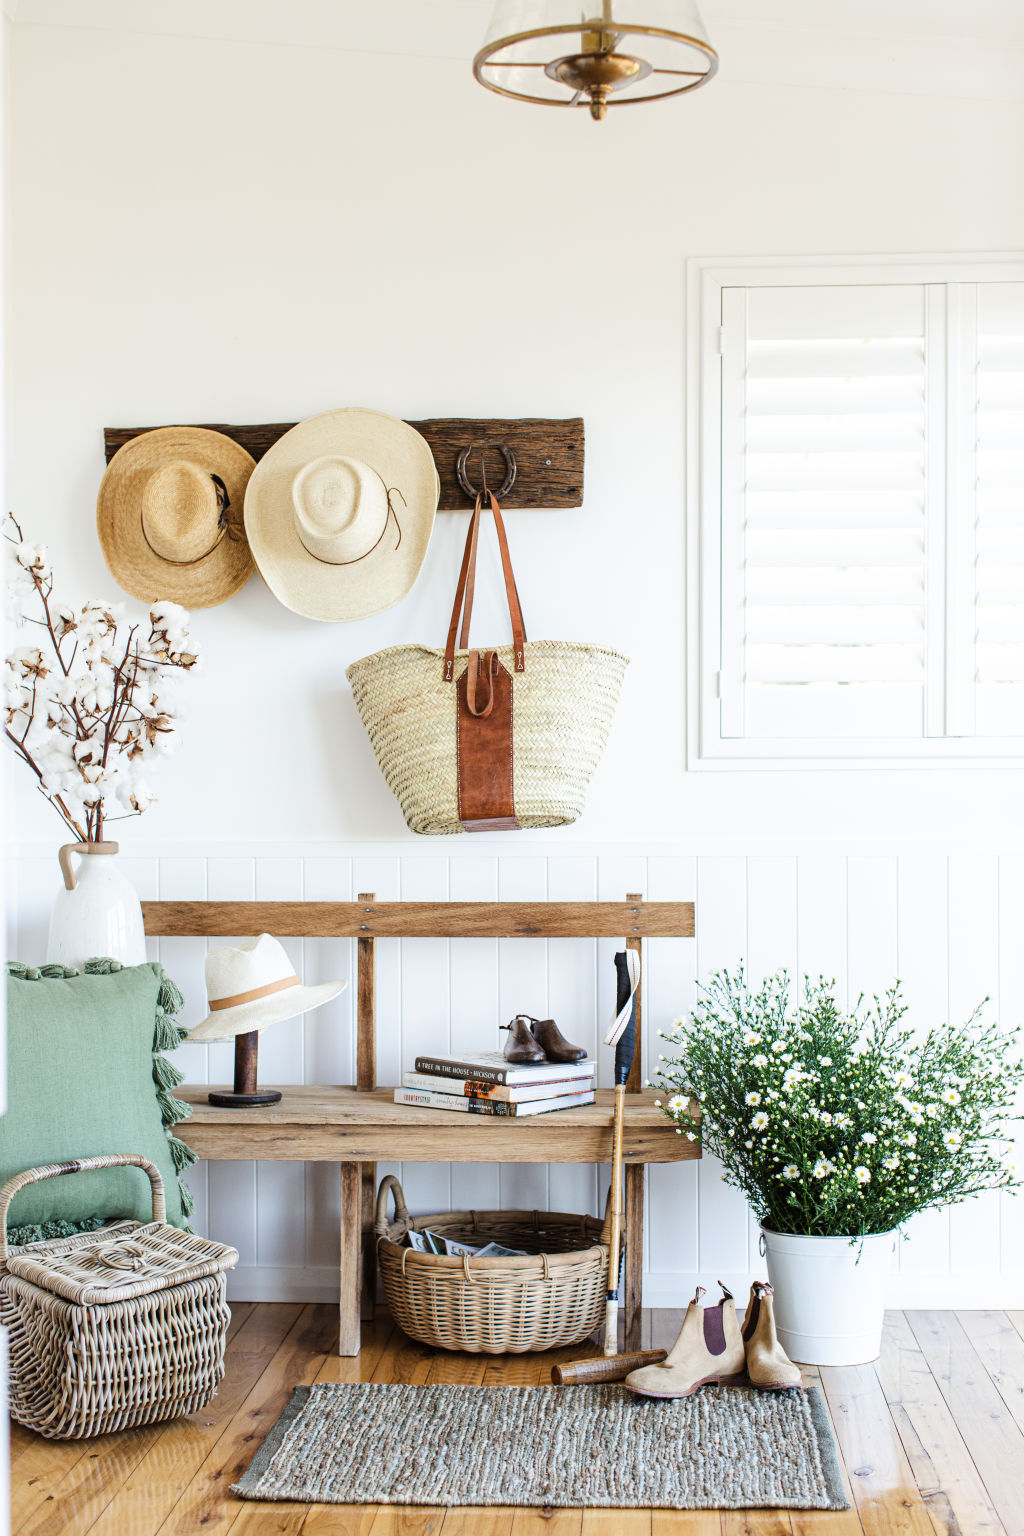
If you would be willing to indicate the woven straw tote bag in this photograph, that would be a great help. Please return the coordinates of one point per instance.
(482, 741)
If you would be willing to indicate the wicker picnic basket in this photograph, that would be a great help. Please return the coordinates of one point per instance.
(114, 1328)
(502, 1305)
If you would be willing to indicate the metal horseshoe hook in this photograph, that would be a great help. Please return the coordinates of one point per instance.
(462, 462)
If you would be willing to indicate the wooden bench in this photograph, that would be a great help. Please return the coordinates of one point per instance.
(357, 1126)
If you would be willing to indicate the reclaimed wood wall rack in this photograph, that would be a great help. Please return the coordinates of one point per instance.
(548, 455)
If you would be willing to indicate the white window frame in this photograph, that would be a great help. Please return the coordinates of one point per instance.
(707, 748)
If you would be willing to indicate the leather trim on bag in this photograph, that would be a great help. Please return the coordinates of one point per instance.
(484, 753)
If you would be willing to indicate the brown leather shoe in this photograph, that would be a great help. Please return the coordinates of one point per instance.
(552, 1042)
(521, 1048)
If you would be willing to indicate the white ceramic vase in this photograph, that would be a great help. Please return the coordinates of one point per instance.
(97, 912)
(829, 1295)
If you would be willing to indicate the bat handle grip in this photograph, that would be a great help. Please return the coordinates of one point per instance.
(611, 1327)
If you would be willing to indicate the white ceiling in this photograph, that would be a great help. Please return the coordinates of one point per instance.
(957, 47)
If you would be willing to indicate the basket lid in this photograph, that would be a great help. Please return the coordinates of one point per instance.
(120, 1263)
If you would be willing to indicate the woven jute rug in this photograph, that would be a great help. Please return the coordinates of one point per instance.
(573, 1447)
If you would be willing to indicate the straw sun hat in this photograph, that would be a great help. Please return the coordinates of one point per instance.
(339, 513)
(169, 516)
(253, 986)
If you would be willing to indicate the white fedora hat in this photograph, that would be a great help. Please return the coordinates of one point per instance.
(339, 513)
(253, 986)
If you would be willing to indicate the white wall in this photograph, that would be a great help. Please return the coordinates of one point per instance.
(208, 228)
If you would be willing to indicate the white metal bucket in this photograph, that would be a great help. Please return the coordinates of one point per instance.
(829, 1295)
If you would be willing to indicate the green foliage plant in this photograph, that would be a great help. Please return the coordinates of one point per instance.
(836, 1123)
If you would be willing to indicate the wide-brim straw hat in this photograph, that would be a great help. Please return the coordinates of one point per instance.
(339, 513)
(253, 986)
(170, 516)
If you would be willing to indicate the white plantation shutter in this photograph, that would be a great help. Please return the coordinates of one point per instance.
(998, 575)
(862, 447)
(824, 498)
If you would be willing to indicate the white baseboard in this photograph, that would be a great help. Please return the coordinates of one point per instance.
(981, 1290)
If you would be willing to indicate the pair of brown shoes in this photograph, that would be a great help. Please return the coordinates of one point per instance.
(713, 1347)
(531, 1041)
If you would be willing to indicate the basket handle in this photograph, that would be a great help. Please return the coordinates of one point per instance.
(81, 1165)
(380, 1223)
(606, 1227)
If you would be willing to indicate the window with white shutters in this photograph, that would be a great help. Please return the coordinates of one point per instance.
(860, 485)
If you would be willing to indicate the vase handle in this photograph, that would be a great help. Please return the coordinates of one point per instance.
(67, 869)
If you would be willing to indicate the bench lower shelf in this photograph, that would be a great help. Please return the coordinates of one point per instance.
(357, 1129)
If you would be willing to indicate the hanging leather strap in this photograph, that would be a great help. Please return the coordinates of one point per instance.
(463, 607)
(484, 748)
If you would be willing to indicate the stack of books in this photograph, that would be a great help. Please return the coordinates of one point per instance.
(486, 1084)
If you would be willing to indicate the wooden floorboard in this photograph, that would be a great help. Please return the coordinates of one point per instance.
(931, 1442)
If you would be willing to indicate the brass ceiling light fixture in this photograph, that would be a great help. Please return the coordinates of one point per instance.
(551, 53)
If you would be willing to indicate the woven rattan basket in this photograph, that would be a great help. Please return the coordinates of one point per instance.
(495, 1306)
(114, 1328)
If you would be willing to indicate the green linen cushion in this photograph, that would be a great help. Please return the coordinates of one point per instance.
(85, 1077)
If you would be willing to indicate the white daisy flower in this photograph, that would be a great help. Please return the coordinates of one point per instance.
(759, 1121)
(935, 1110)
(778, 1045)
(760, 1060)
(750, 1037)
(824, 1061)
(952, 1141)
(892, 1163)
(677, 1102)
(951, 1096)
(791, 1171)
(753, 1098)
(869, 1138)
(820, 1169)
(862, 1175)
(903, 1080)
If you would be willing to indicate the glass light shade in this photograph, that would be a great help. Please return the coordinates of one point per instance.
(598, 54)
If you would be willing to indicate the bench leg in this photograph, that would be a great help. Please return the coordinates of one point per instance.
(368, 1179)
(633, 1301)
(351, 1268)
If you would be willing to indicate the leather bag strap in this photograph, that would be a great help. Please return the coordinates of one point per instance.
(463, 607)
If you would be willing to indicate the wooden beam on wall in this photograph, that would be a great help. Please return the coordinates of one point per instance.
(548, 453)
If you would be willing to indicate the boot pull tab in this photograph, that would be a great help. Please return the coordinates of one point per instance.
(726, 1293)
(700, 1291)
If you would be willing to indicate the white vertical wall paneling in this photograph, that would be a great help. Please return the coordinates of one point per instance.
(573, 1005)
(1011, 1011)
(426, 1017)
(871, 925)
(670, 993)
(183, 959)
(821, 920)
(329, 1045)
(974, 1228)
(38, 881)
(523, 988)
(771, 947)
(923, 967)
(233, 1203)
(474, 1010)
(722, 1225)
(862, 920)
(771, 917)
(281, 1187)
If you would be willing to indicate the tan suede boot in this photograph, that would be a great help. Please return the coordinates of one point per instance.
(768, 1366)
(709, 1349)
